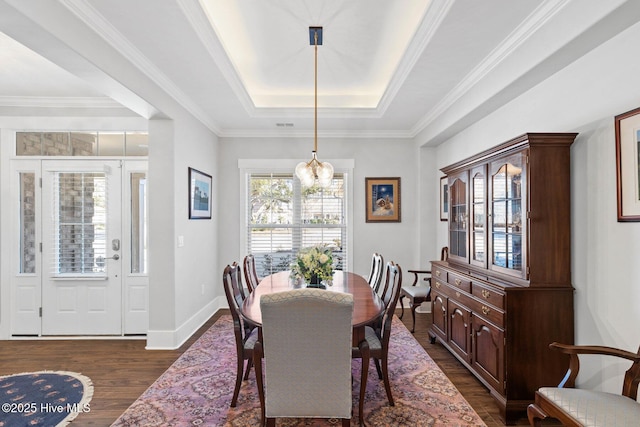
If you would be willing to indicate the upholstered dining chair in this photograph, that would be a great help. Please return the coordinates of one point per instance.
(417, 294)
(306, 344)
(376, 271)
(245, 335)
(377, 340)
(250, 273)
(580, 407)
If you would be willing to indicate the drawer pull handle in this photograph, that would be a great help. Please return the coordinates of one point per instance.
(486, 293)
(438, 285)
(438, 273)
(458, 294)
(458, 281)
(486, 310)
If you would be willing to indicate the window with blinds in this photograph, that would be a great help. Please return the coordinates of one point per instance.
(283, 217)
(80, 223)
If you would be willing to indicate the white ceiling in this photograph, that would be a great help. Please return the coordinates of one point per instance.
(420, 69)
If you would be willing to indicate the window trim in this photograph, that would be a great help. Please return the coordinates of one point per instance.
(250, 166)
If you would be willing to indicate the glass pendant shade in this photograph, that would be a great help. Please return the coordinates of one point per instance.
(309, 173)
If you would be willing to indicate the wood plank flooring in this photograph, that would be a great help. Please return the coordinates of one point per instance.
(121, 370)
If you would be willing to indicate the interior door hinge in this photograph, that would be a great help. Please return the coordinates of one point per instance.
(40, 247)
(40, 312)
(40, 182)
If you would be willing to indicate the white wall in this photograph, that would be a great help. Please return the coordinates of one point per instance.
(183, 281)
(373, 158)
(584, 97)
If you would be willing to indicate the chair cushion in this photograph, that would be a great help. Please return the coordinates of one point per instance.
(416, 291)
(594, 408)
(372, 338)
(250, 342)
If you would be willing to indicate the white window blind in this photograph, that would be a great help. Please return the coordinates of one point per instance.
(283, 217)
(80, 223)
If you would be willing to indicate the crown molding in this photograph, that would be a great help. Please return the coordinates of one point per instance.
(88, 14)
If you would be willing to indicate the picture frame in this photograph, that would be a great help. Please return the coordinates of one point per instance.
(382, 200)
(627, 130)
(200, 185)
(444, 198)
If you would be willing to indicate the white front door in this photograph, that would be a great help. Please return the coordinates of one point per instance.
(82, 247)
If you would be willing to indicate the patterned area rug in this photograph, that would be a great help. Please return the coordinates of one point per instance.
(45, 398)
(197, 389)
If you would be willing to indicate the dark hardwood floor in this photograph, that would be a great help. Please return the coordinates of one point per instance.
(121, 370)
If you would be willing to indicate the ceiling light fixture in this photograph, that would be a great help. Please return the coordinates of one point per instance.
(315, 170)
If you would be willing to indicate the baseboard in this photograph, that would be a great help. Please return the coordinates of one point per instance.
(173, 339)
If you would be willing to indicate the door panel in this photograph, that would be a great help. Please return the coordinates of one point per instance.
(82, 272)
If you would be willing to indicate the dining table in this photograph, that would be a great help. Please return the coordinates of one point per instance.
(367, 305)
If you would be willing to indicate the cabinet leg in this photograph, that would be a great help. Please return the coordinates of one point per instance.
(432, 338)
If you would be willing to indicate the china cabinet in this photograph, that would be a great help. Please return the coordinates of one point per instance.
(505, 293)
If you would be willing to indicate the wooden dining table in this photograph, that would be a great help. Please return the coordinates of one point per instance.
(367, 305)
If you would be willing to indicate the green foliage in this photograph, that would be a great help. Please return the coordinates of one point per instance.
(314, 260)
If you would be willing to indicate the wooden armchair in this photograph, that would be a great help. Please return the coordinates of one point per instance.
(417, 294)
(578, 407)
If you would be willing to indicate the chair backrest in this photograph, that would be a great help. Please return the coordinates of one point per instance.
(376, 271)
(393, 285)
(250, 273)
(233, 290)
(307, 339)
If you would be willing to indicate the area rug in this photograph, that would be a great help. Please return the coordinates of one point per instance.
(197, 389)
(45, 398)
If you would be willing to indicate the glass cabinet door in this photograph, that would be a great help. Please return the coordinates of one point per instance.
(507, 215)
(458, 217)
(478, 214)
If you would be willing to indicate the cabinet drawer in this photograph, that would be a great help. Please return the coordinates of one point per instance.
(490, 295)
(459, 282)
(440, 274)
(487, 311)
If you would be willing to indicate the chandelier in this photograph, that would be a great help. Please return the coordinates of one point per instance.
(315, 170)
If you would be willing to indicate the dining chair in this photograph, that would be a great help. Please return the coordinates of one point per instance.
(376, 271)
(250, 273)
(417, 294)
(377, 339)
(306, 345)
(245, 335)
(578, 407)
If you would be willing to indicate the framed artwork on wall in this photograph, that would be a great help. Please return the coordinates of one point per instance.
(199, 194)
(627, 127)
(444, 199)
(382, 199)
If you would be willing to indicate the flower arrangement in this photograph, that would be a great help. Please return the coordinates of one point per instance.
(315, 262)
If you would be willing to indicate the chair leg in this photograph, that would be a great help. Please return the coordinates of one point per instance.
(377, 363)
(401, 307)
(257, 356)
(236, 389)
(364, 352)
(413, 316)
(387, 385)
(271, 422)
(249, 365)
(346, 422)
(535, 415)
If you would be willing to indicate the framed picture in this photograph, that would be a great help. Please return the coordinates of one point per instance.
(444, 198)
(199, 195)
(628, 165)
(382, 199)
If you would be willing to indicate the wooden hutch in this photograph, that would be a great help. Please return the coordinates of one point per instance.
(505, 292)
